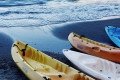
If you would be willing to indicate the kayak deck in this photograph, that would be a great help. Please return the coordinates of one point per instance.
(43, 65)
(95, 66)
(94, 48)
(42, 68)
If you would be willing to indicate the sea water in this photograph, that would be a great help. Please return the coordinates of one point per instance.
(35, 13)
(30, 20)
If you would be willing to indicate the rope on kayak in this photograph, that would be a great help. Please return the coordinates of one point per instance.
(23, 50)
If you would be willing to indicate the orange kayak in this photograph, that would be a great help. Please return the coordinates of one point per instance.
(94, 48)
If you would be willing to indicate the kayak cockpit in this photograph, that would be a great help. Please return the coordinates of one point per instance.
(45, 65)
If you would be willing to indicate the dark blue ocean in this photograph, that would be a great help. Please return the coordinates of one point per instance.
(45, 25)
(26, 13)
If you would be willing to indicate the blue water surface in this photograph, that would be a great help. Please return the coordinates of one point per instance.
(45, 25)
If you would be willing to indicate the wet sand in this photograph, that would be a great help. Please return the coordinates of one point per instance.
(50, 39)
(36, 37)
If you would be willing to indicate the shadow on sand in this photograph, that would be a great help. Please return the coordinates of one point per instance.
(5, 43)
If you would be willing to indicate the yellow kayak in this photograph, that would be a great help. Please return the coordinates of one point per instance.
(38, 66)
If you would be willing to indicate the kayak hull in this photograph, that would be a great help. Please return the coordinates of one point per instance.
(100, 68)
(114, 34)
(38, 66)
(94, 48)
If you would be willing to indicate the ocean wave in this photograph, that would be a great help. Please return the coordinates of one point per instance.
(8, 3)
(55, 12)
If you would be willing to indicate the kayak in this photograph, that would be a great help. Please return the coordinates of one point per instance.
(36, 65)
(99, 68)
(94, 48)
(114, 34)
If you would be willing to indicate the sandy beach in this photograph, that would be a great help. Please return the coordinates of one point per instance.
(46, 27)
(50, 41)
